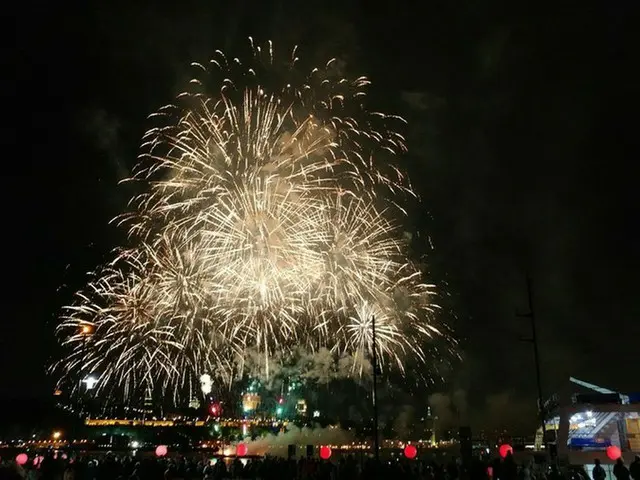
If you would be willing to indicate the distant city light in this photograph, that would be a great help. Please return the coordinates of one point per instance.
(206, 384)
(301, 406)
(316, 413)
(90, 382)
(56, 435)
(135, 444)
(250, 402)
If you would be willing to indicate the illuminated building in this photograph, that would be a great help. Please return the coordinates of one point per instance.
(250, 402)
(584, 419)
(301, 407)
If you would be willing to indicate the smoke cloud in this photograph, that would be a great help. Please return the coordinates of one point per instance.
(103, 130)
(451, 409)
(404, 421)
(493, 413)
(277, 445)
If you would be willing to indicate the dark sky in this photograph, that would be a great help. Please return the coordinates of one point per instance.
(521, 137)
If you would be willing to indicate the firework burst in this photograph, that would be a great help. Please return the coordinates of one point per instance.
(270, 219)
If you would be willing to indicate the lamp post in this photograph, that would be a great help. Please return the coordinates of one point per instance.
(85, 332)
(536, 356)
(376, 446)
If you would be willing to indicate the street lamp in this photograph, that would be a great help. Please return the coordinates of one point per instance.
(85, 332)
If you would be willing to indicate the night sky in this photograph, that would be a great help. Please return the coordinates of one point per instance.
(522, 129)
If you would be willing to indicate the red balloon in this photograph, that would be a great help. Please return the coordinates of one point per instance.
(505, 450)
(325, 452)
(161, 450)
(22, 458)
(613, 452)
(410, 451)
(241, 450)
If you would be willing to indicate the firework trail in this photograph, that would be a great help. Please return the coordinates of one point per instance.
(270, 219)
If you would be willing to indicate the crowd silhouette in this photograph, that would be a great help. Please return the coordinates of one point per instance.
(113, 467)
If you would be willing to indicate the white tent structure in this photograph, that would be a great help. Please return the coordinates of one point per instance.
(587, 419)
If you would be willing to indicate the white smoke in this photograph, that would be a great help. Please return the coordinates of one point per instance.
(277, 445)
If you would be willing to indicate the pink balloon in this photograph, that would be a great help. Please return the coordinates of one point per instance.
(613, 452)
(241, 450)
(325, 452)
(161, 450)
(22, 458)
(410, 451)
(505, 450)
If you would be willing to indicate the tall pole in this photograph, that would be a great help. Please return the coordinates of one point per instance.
(85, 332)
(376, 446)
(84, 365)
(534, 341)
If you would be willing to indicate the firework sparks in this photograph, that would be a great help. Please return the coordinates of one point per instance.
(270, 219)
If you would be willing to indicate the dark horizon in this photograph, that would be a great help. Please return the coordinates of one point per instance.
(521, 146)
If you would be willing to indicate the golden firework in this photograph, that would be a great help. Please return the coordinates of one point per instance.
(270, 219)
